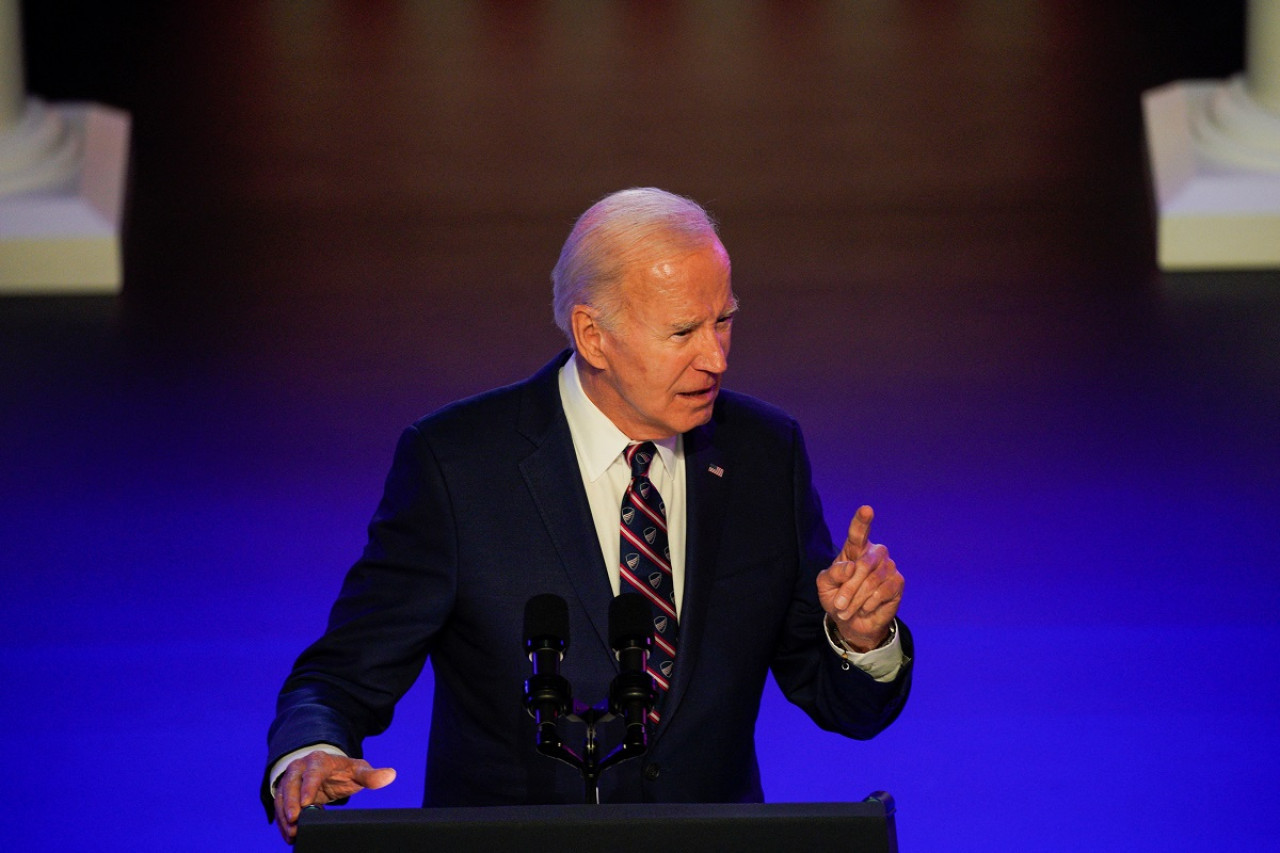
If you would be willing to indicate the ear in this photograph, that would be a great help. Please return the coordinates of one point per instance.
(588, 336)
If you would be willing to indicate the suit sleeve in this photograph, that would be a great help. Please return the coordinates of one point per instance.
(344, 687)
(837, 696)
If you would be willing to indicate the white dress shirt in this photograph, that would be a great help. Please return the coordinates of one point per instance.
(599, 446)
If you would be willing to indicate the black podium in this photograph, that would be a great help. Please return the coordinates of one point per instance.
(864, 827)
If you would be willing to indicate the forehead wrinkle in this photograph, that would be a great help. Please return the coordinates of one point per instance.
(691, 322)
(659, 281)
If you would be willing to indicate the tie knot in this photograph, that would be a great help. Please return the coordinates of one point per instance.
(639, 456)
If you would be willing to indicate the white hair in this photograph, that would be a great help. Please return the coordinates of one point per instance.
(615, 234)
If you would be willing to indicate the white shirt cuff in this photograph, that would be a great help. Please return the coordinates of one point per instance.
(881, 663)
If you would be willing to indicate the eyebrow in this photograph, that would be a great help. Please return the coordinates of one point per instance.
(690, 325)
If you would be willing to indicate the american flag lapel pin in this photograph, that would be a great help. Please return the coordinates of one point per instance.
(716, 469)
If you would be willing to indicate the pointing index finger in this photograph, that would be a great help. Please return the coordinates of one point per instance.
(859, 528)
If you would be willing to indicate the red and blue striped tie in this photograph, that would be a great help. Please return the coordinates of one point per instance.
(645, 565)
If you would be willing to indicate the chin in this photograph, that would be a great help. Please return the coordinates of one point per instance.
(697, 420)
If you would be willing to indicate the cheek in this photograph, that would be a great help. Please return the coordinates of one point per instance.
(644, 387)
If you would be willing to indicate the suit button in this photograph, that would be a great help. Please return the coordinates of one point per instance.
(651, 772)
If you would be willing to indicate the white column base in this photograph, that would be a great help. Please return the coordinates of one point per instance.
(1212, 214)
(66, 239)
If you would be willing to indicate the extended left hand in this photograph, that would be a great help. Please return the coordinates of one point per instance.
(861, 590)
(318, 778)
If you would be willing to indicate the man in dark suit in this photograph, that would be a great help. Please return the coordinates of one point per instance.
(517, 492)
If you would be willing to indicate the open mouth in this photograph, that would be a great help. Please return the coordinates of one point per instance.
(705, 393)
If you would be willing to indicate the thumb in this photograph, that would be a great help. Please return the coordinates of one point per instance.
(372, 778)
(835, 574)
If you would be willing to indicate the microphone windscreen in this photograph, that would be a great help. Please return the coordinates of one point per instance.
(546, 615)
(630, 619)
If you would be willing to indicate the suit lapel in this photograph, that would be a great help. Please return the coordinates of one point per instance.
(706, 483)
(551, 474)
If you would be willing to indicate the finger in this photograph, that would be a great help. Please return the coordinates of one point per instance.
(880, 589)
(286, 801)
(859, 530)
(291, 788)
(853, 572)
(874, 567)
(868, 568)
(835, 575)
(282, 823)
(881, 605)
(887, 595)
(284, 831)
(318, 768)
(374, 778)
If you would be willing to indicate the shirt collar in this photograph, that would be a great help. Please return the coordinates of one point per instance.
(598, 441)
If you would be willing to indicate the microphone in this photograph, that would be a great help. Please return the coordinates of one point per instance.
(546, 637)
(631, 694)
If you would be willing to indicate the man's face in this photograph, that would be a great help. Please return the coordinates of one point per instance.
(659, 369)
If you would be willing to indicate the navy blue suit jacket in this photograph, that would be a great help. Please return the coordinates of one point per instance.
(483, 509)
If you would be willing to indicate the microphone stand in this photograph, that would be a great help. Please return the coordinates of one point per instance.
(547, 693)
(590, 764)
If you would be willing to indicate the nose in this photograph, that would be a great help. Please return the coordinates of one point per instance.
(713, 354)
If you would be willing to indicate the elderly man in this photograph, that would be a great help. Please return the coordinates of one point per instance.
(621, 467)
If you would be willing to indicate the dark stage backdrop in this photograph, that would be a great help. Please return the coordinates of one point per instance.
(343, 215)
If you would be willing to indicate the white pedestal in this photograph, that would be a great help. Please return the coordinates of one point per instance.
(1212, 215)
(66, 239)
